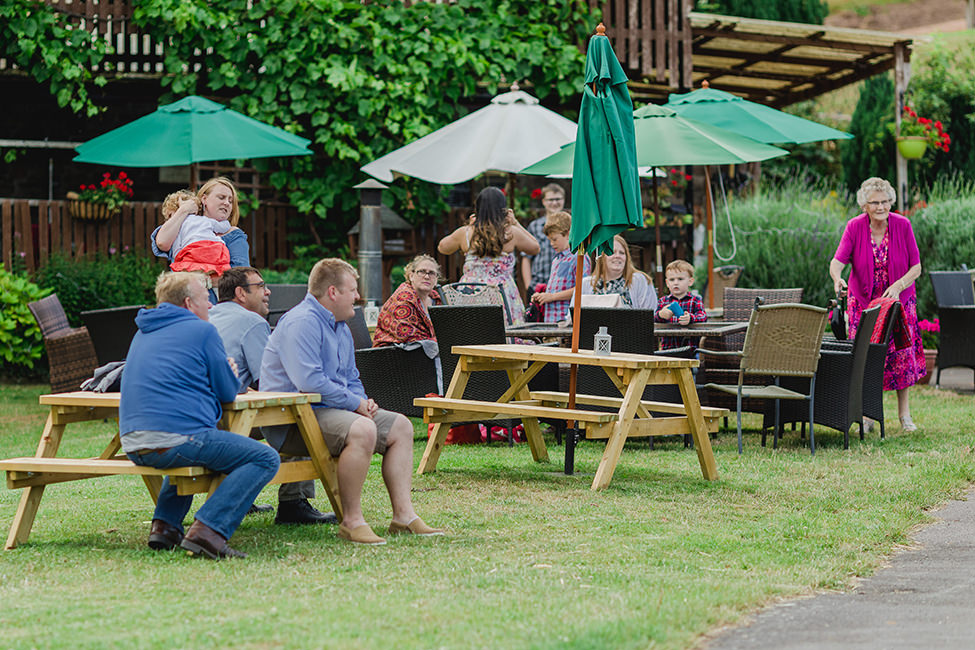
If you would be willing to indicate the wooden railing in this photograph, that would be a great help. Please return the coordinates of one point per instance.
(32, 230)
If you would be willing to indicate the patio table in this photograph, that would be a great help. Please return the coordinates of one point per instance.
(247, 411)
(629, 372)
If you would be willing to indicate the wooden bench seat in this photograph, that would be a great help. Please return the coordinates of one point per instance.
(442, 409)
(32, 470)
(554, 397)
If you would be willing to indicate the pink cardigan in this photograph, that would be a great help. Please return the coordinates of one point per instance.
(855, 247)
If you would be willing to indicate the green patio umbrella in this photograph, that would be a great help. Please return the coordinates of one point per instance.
(747, 118)
(664, 139)
(191, 130)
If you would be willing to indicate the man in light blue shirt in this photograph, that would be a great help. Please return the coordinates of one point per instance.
(311, 351)
(241, 320)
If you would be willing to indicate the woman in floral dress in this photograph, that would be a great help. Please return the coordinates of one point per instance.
(489, 242)
(881, 247)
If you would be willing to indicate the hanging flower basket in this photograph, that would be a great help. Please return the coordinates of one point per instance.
(89, 211)
(912, 147)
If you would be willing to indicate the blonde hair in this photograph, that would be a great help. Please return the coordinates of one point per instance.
(600, 272)
(327, 273)
(681, 266)
(175, 288)
(560, 222)
(415, 262)
(226, 182)
(875, 184)
(554, 188)
(172, 201)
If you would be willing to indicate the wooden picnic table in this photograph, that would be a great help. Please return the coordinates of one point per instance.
(629, 372)
(253, 409)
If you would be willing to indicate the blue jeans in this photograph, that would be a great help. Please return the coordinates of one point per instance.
(248, 465)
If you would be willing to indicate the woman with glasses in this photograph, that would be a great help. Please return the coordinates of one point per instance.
(881, 249)
(404, 317)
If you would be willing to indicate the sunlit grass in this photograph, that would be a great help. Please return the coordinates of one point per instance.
(533, 558)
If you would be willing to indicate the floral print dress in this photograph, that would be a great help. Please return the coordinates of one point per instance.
(903, 368)
(497, 271)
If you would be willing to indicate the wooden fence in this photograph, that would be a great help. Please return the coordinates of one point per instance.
(31, 230)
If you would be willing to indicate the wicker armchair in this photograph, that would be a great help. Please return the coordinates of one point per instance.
(111, 331)
(475, 293)
(282, 298)
(480, 325)
(956, 314)
(70, 352)
(632, 331)
(738, 305)
(389, 374)
(840, 383)
(724, 277)
(781, 341)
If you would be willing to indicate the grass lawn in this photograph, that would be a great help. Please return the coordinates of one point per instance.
(533, 558)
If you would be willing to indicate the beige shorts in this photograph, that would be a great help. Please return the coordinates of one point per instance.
(335, 425)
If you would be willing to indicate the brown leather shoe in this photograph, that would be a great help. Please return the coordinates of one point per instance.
(202, 540)
(361, 534)
(164, 537)
(416, 527)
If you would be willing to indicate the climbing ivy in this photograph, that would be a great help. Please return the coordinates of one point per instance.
(361, 79)
(41, 41)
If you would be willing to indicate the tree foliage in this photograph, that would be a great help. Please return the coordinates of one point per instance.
(360, 80)
(797, 11)
(41, 41)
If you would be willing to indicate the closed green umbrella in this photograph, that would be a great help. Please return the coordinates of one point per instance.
(605, 184)
(750, 119)
(191, 130)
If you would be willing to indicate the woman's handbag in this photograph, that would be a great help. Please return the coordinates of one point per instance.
(837, 321)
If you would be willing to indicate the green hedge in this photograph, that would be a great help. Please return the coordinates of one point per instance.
(21, 344)
(786, 237)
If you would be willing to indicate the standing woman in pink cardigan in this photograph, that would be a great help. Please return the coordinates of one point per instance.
(881, 247)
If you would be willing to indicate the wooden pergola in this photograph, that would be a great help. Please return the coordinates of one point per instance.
(666, 48)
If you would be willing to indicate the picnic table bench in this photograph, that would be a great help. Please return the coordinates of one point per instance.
(633, 417)
(249, 410)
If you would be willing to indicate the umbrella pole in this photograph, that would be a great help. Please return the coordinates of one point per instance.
(709, 216)
(194, 177)
(659, 272)
(571, 430)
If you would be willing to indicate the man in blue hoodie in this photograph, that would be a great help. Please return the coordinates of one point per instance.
(176, 377)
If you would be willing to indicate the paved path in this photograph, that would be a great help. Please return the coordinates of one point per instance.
(924, 599)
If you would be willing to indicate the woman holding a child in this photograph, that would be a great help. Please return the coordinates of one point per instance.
(217, 212)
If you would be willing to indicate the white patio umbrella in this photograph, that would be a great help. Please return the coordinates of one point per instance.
(509, 134)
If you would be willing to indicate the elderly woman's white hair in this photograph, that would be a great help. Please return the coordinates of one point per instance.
(872, 185)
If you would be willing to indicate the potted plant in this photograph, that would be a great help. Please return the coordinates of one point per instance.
(930, 333)
(917, 132)
(103, 201)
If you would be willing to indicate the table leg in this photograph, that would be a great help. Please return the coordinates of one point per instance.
(438, 437)
(695, 420)
(614, 446)
(320, 456)
(30, 500)
(532, 431)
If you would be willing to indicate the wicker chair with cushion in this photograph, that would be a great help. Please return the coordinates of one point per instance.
(840, 384)
(475, 293)
(70, 352)
(956, 314)
(111, 331)
(782, 341)
(282, 298)
(390, 375)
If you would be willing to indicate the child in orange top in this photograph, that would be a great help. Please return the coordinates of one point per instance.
(198, 246)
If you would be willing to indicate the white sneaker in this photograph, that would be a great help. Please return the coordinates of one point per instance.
(907, 424)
